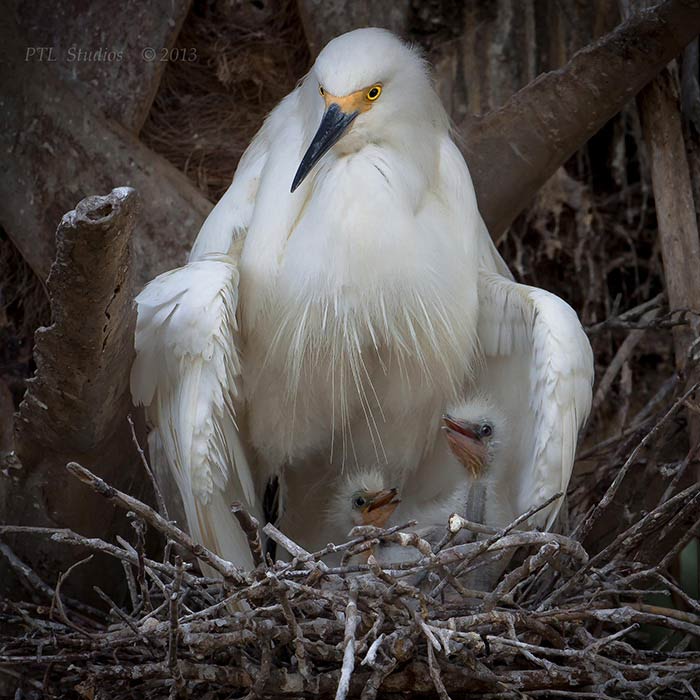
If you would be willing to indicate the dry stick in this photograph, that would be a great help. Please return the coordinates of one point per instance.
(621, 356)
(293, 625)
(629, 315)
(435, 674)
(124, 618)
(140, 529)
(123, 500)
(131, 585)
(57, 596)
(174, 633)
(288, 545)
(679, 546)
(374, 682)
(66, 536)
(265, 668)
(351, 619)
(457, 522)
(582, 530)
(638, 422)
(653, 518)
(156, 489)
(24, 571)
(369, 533)
(250, 527)
(672, 319)
(690, 457)
(531, 564)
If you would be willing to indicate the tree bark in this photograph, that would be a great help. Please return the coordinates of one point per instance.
(325, 19)
(98, 49)
(505, 45)
(76, 404)
(513, 150)
(61, 149)
(673, 197)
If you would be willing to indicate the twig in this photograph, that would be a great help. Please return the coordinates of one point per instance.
(435, 675)
(162, 509)
(627, 316)
(582, 530)
(57, 596)
(351, 618)
(294, 628)
(250, 527)
(178, 686)
(223, 567)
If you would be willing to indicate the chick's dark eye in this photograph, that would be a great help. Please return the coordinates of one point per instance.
(358, 502)
(486, 430)
(321, 91)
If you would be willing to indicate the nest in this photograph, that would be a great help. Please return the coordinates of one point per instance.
(566, 619)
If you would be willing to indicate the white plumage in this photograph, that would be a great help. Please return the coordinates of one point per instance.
(187, 373)
(354, 322)
(539, 371)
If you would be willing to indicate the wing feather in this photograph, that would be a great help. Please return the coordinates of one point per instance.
(539, 366)
(186, 373)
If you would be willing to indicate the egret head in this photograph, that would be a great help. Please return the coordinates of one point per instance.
(363, 499)
(475, 431)
(363, 88)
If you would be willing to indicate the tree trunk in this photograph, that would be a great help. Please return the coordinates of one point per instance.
(75, 407)
(513, 150)
(97, 49)
(62, 149)
(673, 196)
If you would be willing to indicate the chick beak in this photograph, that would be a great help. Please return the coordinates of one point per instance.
(465, 443)
(334, 124)
(380, 507)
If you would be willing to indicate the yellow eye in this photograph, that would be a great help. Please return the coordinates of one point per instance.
(374, 92)
(321, 91)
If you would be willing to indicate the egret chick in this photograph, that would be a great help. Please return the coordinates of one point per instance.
(365, 500)
(476, 432)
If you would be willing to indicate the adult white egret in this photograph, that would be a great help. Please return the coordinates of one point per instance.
(353, 227)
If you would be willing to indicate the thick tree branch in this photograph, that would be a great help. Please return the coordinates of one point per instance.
(325, 19)
(512, 151)
(58, 148)
(99, 50)
(77, 403)
(78, 384)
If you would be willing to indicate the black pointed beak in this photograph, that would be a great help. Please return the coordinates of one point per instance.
(334, 124)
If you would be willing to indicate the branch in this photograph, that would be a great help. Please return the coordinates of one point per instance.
(123, 88)
(71, 149)
(77, 402)
(123, 500)
(514, 150)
